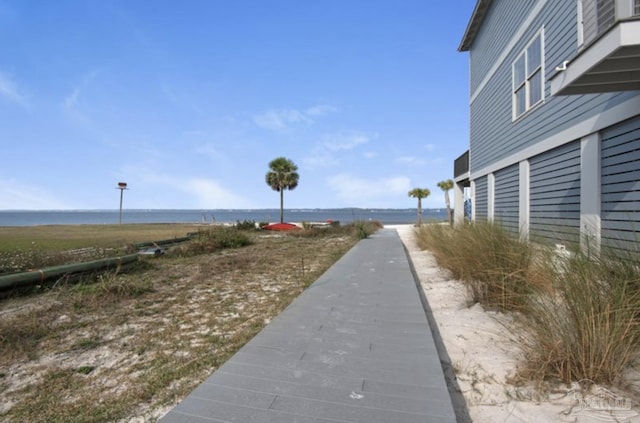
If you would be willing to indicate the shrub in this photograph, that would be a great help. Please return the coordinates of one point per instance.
(246, 225)
(362, 229)
(207, 241)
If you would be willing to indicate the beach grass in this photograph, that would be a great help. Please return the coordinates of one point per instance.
(575, 313)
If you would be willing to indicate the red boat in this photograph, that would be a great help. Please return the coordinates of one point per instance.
(281, 227)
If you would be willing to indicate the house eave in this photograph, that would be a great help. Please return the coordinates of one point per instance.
(474, 25)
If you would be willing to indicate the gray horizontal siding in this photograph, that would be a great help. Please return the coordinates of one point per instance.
(494, 136)
(489, 44)
(620, 201)
(555, 195)
(482, 200)
(507, 198)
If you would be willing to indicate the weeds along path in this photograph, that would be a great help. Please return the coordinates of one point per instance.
(126, 347)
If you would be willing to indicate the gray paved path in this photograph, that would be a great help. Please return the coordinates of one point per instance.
(354, 347)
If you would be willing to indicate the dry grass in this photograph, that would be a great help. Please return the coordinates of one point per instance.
(588, 327)
(577, 314)
(128, 345)
(498, 269)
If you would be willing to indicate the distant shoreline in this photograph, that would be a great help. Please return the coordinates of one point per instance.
(193, 216)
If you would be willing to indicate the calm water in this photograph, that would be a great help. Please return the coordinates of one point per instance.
(79, 217)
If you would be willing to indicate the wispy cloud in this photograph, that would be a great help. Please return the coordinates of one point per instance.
(71, 100)
(361, 192)
(286, 119)
(320, 110)
(10, 91)
(193, 191)
(344, 141)
(324, 154)
(209, 193)
(16, 195)
(208, 150)
(411, 160)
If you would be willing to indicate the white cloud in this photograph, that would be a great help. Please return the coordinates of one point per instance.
(361, 192)
(10, 91)
(71, 100)
(411, 160)
(15, 195)
(344, 141)
(281, 120)
(319, 160)
(191, 192)
(285, 119)
(320, 110)
(208, 193)
(208, 150)
(323, 154)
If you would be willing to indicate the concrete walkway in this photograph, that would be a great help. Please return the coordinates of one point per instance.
(354, 347)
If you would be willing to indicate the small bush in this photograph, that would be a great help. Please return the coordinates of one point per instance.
(362, 229)
(246, 225)
(215, 239)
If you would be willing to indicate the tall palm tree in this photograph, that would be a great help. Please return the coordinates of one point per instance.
(446, 186)
(419, 193)
(282, 174)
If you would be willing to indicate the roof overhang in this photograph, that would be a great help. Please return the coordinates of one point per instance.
(474, 24)
(611, 63)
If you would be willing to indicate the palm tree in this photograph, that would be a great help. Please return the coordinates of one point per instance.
(446, 186)
(282, 174)
(419, 193)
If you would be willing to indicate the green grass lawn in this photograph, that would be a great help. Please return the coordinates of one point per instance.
(53, 238)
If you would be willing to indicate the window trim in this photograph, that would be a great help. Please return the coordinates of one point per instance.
(516, 86)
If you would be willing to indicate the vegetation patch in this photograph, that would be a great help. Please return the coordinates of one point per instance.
(575, 313)
(117, 347)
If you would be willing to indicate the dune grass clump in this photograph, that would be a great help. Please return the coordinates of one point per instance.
(362, 229)
(498, 269)
(578, 313)
(589, 327)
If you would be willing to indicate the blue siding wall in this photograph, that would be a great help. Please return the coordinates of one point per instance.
(620, 205)
(507, 198)
(555, 194)
(481, 196)
(494, 135)
(490, 42)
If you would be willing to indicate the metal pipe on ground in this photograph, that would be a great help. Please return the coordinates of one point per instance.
(32, 277)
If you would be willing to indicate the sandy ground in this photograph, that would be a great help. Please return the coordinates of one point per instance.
(484, 354)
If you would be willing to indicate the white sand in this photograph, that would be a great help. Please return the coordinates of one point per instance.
(484, 353)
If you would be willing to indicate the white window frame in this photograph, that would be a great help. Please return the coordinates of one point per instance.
(526, 83)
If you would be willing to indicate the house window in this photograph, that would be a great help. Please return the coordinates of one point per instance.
(528, 86)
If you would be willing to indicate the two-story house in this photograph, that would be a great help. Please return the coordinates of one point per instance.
(554, 150)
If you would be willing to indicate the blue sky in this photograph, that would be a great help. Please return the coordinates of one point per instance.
(188, 101)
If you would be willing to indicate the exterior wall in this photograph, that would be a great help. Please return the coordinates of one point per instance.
(481, 200)
(555, 195)
(620, 176)
(568, 169)
(489, 42)
(507, 199)
(495, 136)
